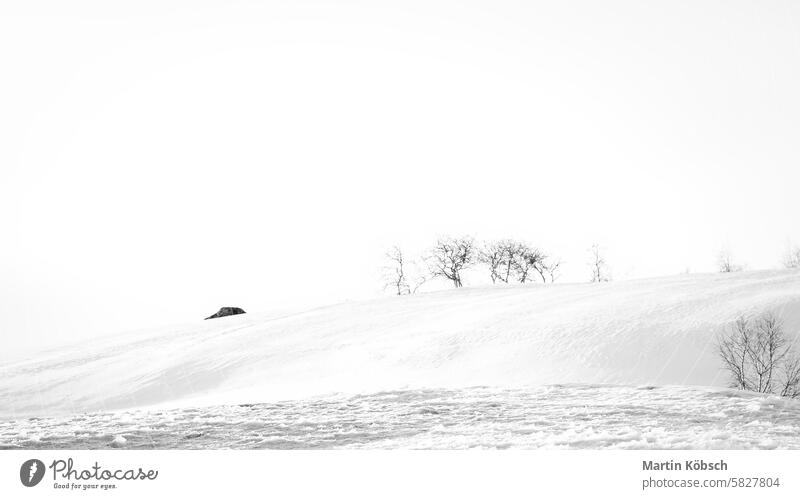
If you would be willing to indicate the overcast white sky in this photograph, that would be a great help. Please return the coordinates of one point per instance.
(160, 159)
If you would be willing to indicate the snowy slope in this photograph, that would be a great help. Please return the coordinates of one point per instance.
(655, 331)
(572, 416)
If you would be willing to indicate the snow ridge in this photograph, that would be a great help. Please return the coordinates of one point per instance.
(651, 331)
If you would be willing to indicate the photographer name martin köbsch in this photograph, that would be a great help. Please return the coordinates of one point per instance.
(690, 465)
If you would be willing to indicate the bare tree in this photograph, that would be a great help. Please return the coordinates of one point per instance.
(541, 268)
(791, 259)
(538, 261)
(547, 266)
(758, 358)
(725, 262)
(791, 378)
(395, 272)
(524, 260)
(598, 265)
(511, 260)
(552, 269)
(419, 279)
(401, 275)
(508, 259)
(733, 350)
(451, 256)
(767, 351)
(495, 255)
(509, 250)
(523, 265)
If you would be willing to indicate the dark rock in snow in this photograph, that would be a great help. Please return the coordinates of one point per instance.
(225, 311)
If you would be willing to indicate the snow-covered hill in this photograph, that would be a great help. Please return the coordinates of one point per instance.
(643, 332)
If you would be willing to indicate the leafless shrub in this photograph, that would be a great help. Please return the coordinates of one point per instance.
(758, 358)
(600, 272)
(791, 259)
(726, 263)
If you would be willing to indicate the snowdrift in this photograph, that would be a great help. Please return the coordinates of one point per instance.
(644, 332)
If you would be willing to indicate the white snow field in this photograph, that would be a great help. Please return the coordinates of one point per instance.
(629, 364)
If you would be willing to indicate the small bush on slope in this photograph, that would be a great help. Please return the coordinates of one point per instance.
(758, 357)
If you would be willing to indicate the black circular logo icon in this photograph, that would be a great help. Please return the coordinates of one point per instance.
(31, 472)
